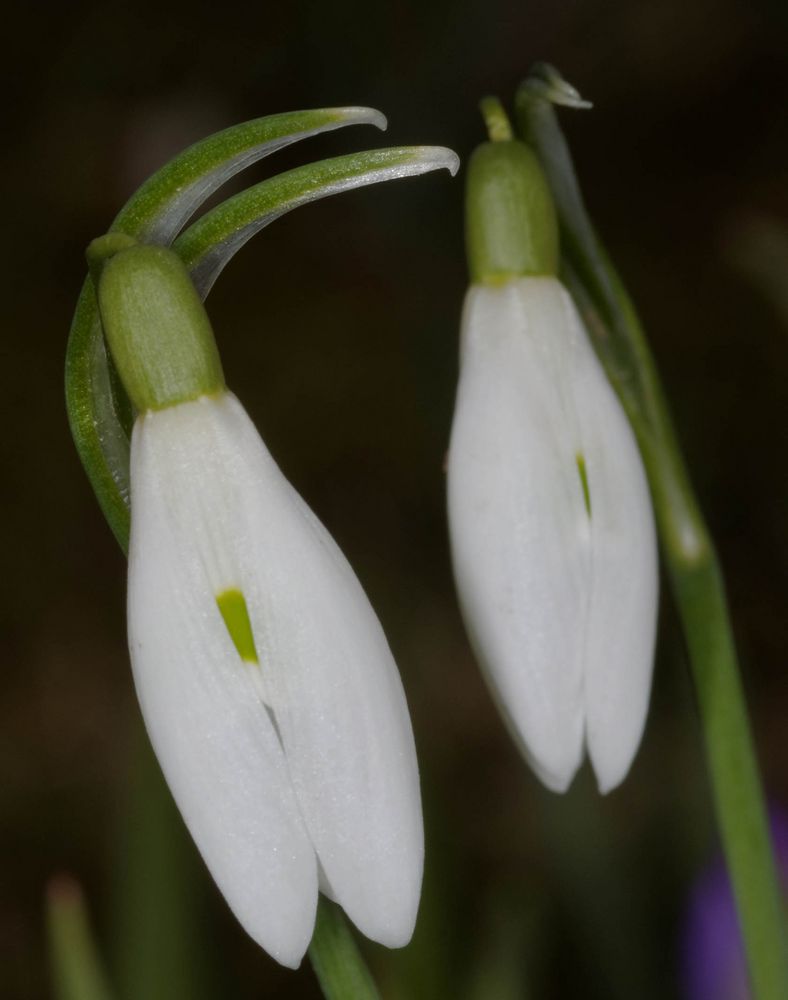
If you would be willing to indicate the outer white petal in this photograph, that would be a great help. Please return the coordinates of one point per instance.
(515, 518)
(337, 699)
(622, 615)
(213, 737)
(561, 606)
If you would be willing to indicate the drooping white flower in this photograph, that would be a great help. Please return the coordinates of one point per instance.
(267, 686)
(552, 531)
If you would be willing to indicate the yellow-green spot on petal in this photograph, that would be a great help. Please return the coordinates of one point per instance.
(581, 468)
(232, 605)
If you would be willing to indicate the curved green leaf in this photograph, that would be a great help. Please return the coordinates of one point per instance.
(158, 210)
(211, 242)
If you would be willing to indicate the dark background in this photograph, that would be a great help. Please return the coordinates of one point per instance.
(338, 330)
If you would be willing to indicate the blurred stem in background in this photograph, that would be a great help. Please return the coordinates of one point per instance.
(77, 971)
(160, 928)
(688, 550)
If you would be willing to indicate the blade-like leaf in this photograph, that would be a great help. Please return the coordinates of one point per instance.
(76, 966)
(94, 414)
(208, 245)
(158, 210)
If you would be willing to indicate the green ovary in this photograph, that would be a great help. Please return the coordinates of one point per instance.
(232, 605)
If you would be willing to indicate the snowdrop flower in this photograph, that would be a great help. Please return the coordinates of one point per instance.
(267, 686)
(552, 531)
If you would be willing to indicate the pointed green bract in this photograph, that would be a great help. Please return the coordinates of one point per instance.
(163, 204)
(232, 605)
(210, 243)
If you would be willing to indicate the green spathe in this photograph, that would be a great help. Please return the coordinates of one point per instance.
(510, 228)
(156, 326)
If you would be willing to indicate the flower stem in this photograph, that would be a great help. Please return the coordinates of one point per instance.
(77, 971)
(499, 128)
(337, 962)
(688, 550)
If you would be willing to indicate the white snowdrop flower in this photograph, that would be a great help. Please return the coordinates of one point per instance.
(267, 686)
(552, 530)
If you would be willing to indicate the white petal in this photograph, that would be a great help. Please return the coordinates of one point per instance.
(515, 519)
(214, 739)
(622, 616)
(560, 604)
(338, 702)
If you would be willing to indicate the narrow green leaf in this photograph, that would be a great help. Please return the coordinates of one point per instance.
(208, 245)
(76, 967)
(158, 210)
(98, 414)
(162, 893)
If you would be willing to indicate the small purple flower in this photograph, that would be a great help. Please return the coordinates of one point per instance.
(713, 962)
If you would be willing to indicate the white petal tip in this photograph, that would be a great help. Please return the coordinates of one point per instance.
(285, 940)
(609, 777)
(612, 763)
(390, 933)
(554, 779)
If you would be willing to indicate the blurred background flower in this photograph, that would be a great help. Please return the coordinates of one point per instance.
(338, 328)
(713, 963)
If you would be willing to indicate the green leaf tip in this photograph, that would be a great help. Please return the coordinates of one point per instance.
(544, 82)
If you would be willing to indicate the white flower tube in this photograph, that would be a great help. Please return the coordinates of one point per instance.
(267, 686)
(552, 530)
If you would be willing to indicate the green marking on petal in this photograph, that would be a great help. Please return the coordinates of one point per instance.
(232, 605)
(581, 468)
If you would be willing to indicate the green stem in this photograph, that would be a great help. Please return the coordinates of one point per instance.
(689, 553)
(77, 971)
(337, 962)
